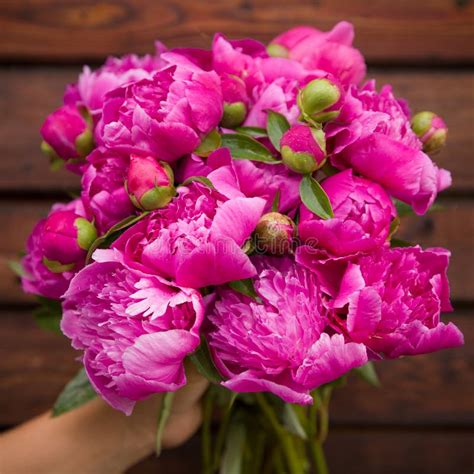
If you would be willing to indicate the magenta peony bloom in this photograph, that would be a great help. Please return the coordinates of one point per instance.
(103, 192)
(92, 86)
(166, 116)
(278, 343)
(330, 51)
(196, 240)
(135, 329)
(363, 212)
(39, 279)
(150, 184)
(372, 135)
(280, 96)
(271, 83)
(393, 299)
(66, 134)
(303, 149)
(244, 178)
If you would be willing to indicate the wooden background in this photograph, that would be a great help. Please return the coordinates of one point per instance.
(421, 420)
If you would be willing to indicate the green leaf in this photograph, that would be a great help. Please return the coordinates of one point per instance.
(234, 449)
(17, 268)
(292, 422)
(367, 372)
(277, 125)
(200, 179)
(244, 287)
(276, 202)
(77, 392)
(163, 416)
(122, 225)
(402, 208)
(255, 132)
(202, 360)
(394, 226)
(48, 315)
(243, 147)
(400, 243)
(315, 198)
(209, 143)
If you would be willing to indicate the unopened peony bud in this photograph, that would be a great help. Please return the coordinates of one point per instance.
(303, 149)
(277, 51)
(235, 101)
(66, 134)
(321, 99)
(149, 183)
(431, 130)
(274, 233)
(65, 239)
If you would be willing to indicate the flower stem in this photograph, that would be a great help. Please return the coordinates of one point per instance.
(206, 433)
(291, 455)
(319, 459)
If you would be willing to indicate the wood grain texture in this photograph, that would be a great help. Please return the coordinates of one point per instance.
(356, 452)
(29, 94)
(437, 388)
(453, 228)
(432, 31)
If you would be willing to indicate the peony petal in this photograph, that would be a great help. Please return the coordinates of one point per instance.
(237, 219)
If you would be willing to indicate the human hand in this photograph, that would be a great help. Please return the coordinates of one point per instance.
(98, 439)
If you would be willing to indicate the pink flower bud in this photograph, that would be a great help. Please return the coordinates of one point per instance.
(65, 239)
(431, 130)
(303, 149)
(66, 134)
(149, 183)
(274, 233)
(321, 99)
(235, 101)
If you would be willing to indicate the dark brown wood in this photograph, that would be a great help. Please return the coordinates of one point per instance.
(30, 94)
(430, 390)
(356, 452)
(432, 31)
(452, 228)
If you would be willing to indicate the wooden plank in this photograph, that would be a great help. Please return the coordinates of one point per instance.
(30, 94)
(357, 452)
(431, 390)
(433, 31)
(452, 228)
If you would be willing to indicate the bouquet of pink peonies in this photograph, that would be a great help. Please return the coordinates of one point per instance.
(238, 210)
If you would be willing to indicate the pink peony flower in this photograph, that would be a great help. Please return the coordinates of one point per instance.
(103, 192)
(244, 178)
(393, 299)
(278, 344)
(196, 240)
(363, 212)
(135, 329)
(271, 83)
(66, 134)
(166, 116)
(92, 86)
(39, 279)
(330, 51)
(372, 135)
